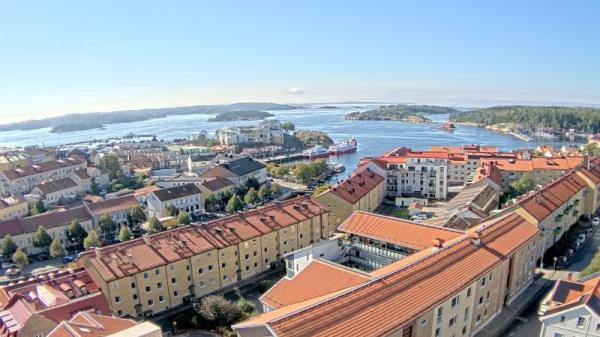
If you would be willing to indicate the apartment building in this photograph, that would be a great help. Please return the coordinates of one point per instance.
(55, 222)
(116, 208)
(22, 180)
(454, 287)
(54, 192)
(35, 306)
(572, 309)
(149, 275)
(216, 187)
(85, 324)
(265, 132)
(362, 191)
(238, 171)
(180, 198)
(13, 207)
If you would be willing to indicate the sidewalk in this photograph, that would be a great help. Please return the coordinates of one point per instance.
(505, 319)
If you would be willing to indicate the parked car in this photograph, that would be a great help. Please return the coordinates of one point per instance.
(563, 262)
(68, 259)
(13, 272)
(596, 221)
(7, 265)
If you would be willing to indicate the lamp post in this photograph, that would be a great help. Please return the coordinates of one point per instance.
(555, 259)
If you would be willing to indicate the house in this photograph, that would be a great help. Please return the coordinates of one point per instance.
(415, 208)
(572, 308)
(238, 171)
(362, 191)
(54, 192)
(22, 180)
(86, 324)
(55, 222)
(13, 207)
(35, 306)
(116, 208)
(179, 198)
(216, 187)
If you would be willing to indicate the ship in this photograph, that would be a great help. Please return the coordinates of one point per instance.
(343, 147)
(448, 126)
(316, 152)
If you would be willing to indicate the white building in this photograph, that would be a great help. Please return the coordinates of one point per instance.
(181, 198)
(265, 132)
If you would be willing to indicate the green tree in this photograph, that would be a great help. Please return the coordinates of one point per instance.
(8, 247)
(288, 126)
(94, 189)
(319, 167)
(56, 249)
(211, 203)
(125, 233)
(592, 149)
(154, 225)
(522, 185)
(276, 189)
(20, 259)
(218, 311)
(303, 172)
(184, 218)
(246, 307)
(264, 193)
(41, 239)
(234, 204)
(251, 198)
(321, 189)
(92, 240)
(111, 164)
(76, 233)
(38, 208)
(252, 183)
(170, 210)
(137, 215)
(107, 226)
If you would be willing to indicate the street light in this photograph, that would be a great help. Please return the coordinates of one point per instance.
(555, 259)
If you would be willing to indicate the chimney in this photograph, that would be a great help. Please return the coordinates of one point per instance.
(98, 252)
(146, 239)
(476, 238)
(437, 243)
(569, 276)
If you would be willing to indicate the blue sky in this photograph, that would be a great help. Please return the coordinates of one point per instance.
(75, 56)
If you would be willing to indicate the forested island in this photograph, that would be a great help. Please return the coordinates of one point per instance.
(78, 126)
(240, 116)
(401, 112)
(127, 116)
(311, 138)
(582, 119)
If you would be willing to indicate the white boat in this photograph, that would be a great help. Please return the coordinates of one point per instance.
(316, 152)
(343, 147)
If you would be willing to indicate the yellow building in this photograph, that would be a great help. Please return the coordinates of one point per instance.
(362, 191)
(157, 272)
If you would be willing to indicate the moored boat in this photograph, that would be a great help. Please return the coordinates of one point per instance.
(316, 152)
(343, 147)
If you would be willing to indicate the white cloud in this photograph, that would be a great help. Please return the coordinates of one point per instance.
(295, 91)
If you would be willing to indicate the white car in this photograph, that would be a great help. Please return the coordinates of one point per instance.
(596, 221)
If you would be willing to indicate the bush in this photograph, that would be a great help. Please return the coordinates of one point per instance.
(593, 267)
(218, 312)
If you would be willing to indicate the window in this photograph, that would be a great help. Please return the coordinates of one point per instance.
(437, 332)
(469, 292)
(145, 276)
(150, 302)
(132, 285)
(580, 322)
(175, 293)
(562, 318)
(210, 267)
(481, 300)
(224, 277)
(148, 288)
(134, 297)
(466, 314)
(223, 265)
(424, 322)
(455, 301)
(157, 271)
(482, 284)
(161, 298)
(558, 334)
(173, 280)
(159, 285)
(200, 271)
(172, 267)
(452, 321)
(117, 299)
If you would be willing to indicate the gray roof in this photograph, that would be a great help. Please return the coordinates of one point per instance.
(243, 166)
(176, 192)
(52, 186)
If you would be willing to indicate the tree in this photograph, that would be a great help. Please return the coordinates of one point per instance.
(38, 208)
(522, 185)
(94, 189)
(41, 239)
(183, 218)
(321, 189)
(154, 226)
(276, 189)
(211, 203)
(170, 210)
(264, 193)
(591, 149)
(303, 172)
(111, 164)
(92, 240)
(234, 204)
(252, 183)
(219, 312)
(20, 259)
(251, 197)
(8, 247)
(288, 126)
(125, 233)
(56, 249)
(76, 233)
(246, 307)
(107, 226)
(137, 215)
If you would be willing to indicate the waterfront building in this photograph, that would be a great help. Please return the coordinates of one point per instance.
(158, 272)
(264, 132)
(364, 190)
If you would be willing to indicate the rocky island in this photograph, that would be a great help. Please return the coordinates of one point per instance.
(70, 127)
(249, 115)
(401, 112)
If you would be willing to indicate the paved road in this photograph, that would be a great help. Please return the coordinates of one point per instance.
(34, 269)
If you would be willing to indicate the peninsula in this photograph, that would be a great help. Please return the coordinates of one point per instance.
(70, 127)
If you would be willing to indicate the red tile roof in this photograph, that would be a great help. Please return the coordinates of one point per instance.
(357, 186)
(41, 167)
(397, 231)
(109, 206)
(85, 324)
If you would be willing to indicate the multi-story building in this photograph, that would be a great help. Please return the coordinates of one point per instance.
(364, 190)
(116, 208)
(179, 198)
(157, 272)
(265, 132)
(238, 171)
(215, 187)
(455, 287)
(13, 207)
(572, 309)
(35, 306)
(54, 192)
(22, 180)
(55, 222)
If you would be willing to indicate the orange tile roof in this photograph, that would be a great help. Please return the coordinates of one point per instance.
(85, 324)
(317, 279)
(563, 164)
(151, 251)
(383, 305)
(514, 165)
(357, 186)
(568, 293)
(593, 174)
(397, 231)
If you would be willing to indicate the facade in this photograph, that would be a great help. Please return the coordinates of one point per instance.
(362, 191)
(149, 275)
(23, 180)
(54, 192)
(13, 207)
(116, 208)
(572, 309)
(216, 187)
(238, 171)
(265, 132)
(55, 222)
(180, 198)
